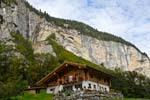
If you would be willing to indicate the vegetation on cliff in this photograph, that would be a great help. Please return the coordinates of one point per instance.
(9, 2)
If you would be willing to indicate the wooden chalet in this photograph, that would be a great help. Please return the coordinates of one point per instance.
(74, 76)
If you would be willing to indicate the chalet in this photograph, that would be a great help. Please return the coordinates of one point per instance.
(74, 76)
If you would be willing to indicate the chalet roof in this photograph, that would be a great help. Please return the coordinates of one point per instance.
(60, 67)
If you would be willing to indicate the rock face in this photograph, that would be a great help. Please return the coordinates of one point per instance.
(111, 54)
(14, 18)
(108, 53)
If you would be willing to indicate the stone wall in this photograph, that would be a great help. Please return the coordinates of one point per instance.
(87, 95)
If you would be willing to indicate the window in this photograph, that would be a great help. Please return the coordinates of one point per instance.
(94, 86)
(84, 87)
(89, 85)
(51, 90)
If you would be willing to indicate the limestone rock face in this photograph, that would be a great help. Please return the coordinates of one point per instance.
(15, 18)
(109, 53)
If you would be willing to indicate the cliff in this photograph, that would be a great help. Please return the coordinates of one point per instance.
(76, 37)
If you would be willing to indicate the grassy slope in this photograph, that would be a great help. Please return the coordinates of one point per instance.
(40, 96)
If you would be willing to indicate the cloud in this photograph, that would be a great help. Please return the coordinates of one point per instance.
(129, 19)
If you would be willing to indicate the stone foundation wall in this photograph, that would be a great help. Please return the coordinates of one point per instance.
(86, 95)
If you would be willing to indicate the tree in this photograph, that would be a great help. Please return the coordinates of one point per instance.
(132, 84)
(11, 80)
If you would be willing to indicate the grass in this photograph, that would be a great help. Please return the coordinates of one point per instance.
(39, 96)
(127, 99)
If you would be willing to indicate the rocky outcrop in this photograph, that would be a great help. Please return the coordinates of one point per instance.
(108, 53)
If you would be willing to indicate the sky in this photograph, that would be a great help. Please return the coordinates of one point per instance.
(129, 19)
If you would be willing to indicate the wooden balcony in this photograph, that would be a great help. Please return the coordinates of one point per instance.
(70, 80)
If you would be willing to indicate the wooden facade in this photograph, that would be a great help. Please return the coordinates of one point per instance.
(73, 73)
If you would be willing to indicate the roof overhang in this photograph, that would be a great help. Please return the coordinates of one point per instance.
(67, 64)
(59, 68)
